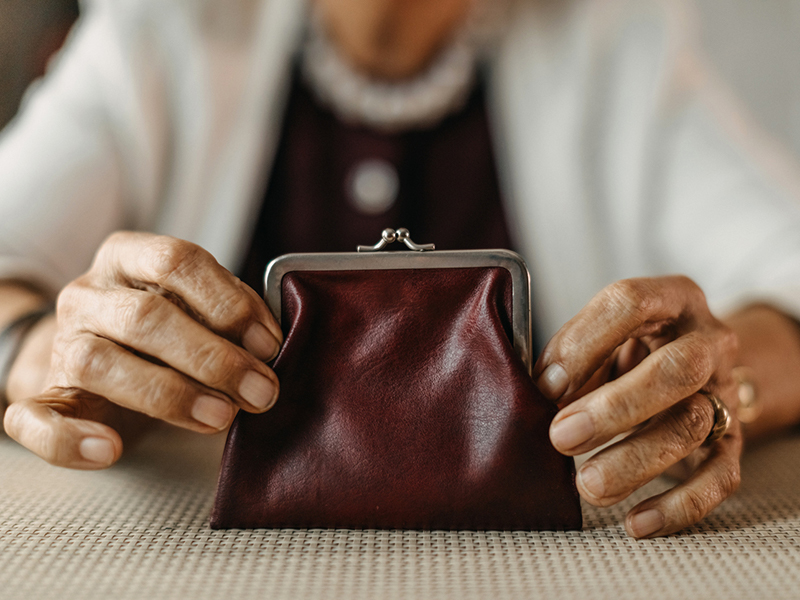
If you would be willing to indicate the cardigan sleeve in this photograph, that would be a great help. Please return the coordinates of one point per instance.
(726, 207)
(77, 163)
(624, 157)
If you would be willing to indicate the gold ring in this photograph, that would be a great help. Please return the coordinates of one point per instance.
(722, 419)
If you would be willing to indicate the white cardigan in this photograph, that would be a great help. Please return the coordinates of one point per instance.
(618, 155)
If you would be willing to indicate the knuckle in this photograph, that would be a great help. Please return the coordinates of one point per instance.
(115, 238)
(568, 346)
(172, 257)
(694, 506)
(164, 397)
(107, 247)
(696, 503)
(111, 252)
(46, 442)
(692, 293)
(697, 293)
(67, 297)
(730, 479)
(233, 311)
(49, 442)
(689, 284)
(215, 364)
(70, 299)
(141, 312)
(689, 366)
(637, 466)
(84, 361)
(693, 422)
(51, 448)
(631, 296)
(619, 410)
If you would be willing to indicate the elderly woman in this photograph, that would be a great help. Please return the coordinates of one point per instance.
(223, 132)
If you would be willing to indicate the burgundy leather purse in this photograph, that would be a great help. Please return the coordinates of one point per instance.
(406, 400)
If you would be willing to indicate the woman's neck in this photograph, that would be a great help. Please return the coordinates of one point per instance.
(391, 39)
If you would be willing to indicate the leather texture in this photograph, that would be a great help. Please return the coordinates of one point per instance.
(403, 405)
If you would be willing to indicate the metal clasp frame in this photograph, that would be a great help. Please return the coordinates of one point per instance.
(389, 236)
(369, 258)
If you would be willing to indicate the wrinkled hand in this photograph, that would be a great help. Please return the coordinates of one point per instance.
(156, 326)
(634, 361)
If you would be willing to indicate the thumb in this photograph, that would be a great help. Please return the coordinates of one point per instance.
(64, 428)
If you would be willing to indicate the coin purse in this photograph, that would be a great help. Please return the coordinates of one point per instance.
(406, 400)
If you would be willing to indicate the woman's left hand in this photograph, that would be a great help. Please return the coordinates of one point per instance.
(640, 359)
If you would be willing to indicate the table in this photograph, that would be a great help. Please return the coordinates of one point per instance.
(140, 530)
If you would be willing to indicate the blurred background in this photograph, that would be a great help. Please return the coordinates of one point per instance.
(755, 45)
(30, 32)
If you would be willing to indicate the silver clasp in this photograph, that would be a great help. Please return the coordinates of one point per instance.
(389, 236)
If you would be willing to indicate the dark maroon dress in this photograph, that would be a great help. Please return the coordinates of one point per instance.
(447, 189)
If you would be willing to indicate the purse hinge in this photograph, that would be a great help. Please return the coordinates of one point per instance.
(389, 236)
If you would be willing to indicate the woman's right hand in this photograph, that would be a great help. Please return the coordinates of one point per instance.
(155, 326)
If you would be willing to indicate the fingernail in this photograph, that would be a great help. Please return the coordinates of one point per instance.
(212, 411)
(646, 523)
(258, 390)
(97, 450)
(553, 381)
(592, 482)
(259, 342)
(572, 431)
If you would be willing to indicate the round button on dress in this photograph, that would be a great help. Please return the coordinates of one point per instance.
(372, 186)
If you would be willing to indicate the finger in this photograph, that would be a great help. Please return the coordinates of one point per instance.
(622, 360)
(62, 440)
(101, 367)
(598, 378)
(614, 473)
(687, 503)
(682, 470)
(213, 295)
(154, 326)
(672, 372)
(631, 354)
(631, 308)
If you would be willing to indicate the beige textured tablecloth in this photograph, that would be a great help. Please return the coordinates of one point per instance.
(140, 530)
